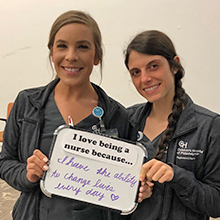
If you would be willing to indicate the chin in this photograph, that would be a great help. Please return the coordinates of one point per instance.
(151, 99)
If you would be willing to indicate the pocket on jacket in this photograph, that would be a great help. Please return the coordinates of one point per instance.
(28, 137)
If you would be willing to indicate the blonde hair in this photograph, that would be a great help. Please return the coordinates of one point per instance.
(75, 16)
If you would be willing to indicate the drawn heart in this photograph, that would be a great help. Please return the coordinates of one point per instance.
(114, 197)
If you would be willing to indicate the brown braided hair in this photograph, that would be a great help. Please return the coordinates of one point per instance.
(154, 42)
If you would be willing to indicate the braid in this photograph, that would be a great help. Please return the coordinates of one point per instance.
(179, 101)
(154, 42)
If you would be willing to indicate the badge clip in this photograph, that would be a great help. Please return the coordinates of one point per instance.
(98, 112)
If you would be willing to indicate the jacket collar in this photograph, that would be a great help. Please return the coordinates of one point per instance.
(38, 97)
(138, 112)
(109, 105)
(186, 123)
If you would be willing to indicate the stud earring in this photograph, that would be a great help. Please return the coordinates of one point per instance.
(174, 71)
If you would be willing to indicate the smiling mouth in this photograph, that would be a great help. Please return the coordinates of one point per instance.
(151, 88)
(72, 69)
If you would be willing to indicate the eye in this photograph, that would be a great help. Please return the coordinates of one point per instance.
(153, 66)
(83, 46)
(61, 46)
(135, 72)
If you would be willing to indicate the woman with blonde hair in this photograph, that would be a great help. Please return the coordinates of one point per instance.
(75, 48)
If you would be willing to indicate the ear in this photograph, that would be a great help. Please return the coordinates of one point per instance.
(174, 69)
(51, 55)
(177, 59)
(96, 61)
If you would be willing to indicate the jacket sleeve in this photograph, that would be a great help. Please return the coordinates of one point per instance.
(202, 196)
(12, 162)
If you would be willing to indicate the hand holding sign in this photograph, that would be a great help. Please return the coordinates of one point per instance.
(94, 168)
(36, 165)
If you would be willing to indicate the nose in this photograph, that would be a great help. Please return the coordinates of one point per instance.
(71, 55)
(145, 77)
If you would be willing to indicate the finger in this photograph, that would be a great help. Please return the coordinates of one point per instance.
(43, 159)
(152, 172)
(143, 188)
(143, 182)
(167, 176)
(159, 171)
(145, 169)
(144, 192)
(140, 197)
(40, 155)
(149, 183)
(34, 162)
(164, 173)
(34, 172)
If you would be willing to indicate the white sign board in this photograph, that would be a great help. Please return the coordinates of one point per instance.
(93, 168)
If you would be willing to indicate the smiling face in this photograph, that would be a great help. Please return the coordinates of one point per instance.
(152, 77)
(73, 54)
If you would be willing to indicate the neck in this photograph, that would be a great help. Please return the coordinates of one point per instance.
(75, 93)
(161, 110)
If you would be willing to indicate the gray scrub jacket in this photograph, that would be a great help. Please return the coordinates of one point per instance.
(21, 138)
(194, 153)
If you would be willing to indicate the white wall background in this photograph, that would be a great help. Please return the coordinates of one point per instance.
(193, 25)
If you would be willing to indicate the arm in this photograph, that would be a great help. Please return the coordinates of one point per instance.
(199, 192)
(18, 146)
(202, 195)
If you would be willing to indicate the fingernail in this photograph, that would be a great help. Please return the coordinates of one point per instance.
(45, 167)
(45, 159)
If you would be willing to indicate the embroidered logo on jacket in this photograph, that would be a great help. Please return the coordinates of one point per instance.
(183, 144)
(184, 152)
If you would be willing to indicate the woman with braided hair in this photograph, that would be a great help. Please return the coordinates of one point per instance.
(182, 138)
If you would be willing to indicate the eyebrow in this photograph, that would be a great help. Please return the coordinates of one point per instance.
(60, 41)
(148, 64)
(152, 61)
(79, 42)
(84, 41)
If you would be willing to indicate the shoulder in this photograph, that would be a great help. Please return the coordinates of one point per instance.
(109, 102)
(31, 91)
(207, 119)
(137, 111)
(33, 97)
(136, 107)
(202, 116)
(37, 93)
(200, 111)
(116, 103)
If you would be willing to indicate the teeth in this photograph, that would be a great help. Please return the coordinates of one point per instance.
(151, 88)
(72, 69)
